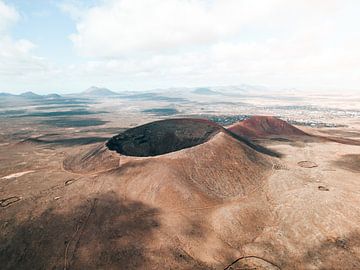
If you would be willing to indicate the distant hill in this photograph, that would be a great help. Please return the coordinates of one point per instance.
(205, 91)
(3, 94)
(97, 91)
(53, 96)
(30, 95)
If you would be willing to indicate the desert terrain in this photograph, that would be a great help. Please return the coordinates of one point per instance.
(203, 179)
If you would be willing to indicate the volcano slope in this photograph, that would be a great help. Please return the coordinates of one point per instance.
(216, 201)
(260, 127)
(265, 126)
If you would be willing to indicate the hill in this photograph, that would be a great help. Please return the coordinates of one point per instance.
(179, 166)
(165, 136)
(3, 94)
(100, 92)
(171, 148)
(265, 126)
(31, 95)
(204, 91)
(53, 96)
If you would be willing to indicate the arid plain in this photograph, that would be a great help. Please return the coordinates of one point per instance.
(84, 184)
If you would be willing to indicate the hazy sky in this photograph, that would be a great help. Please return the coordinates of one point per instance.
(67, 46)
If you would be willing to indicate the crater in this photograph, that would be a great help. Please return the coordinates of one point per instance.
(162, 137)
(307, 164)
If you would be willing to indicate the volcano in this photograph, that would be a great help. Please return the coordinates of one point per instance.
(265, 126)
(198, 173)
(199, 155)
(170, 135)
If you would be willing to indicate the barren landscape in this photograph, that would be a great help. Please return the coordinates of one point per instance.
(179, 135)
(160, 181)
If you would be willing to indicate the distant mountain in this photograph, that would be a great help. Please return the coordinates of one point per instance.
(205, 91)
(31, 95)
(3, 94)
(97, 91)
(242, 90)
(53, 96)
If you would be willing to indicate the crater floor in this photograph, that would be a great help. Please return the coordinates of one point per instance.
(163, 137)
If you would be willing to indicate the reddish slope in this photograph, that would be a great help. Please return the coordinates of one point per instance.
(265, 126)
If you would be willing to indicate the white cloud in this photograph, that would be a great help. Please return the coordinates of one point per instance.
(117, 28)
(16, 59)
(18, 65)
(8, 15)
(276, 42)
(75, 8)
(134, 44)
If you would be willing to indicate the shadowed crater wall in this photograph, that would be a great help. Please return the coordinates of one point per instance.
(163, 137)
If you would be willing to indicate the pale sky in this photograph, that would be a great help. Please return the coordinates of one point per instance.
(68, 45)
